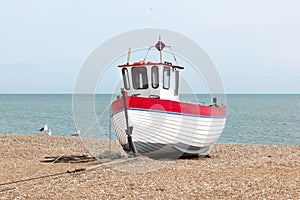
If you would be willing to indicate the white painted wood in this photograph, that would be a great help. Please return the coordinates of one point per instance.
(153, 129)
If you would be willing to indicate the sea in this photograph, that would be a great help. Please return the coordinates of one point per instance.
(272, 119)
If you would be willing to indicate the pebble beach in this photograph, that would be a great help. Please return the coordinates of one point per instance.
(231, 171)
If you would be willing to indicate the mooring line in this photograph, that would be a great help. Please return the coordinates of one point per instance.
(79, 170)
(45, 176)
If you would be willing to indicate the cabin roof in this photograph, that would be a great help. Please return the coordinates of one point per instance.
(142, 63)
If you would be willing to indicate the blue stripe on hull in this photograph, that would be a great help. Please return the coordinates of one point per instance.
(172, 113)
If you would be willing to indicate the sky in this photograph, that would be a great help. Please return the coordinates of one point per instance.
(254, 44)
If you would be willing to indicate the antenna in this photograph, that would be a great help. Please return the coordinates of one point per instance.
(152, 20)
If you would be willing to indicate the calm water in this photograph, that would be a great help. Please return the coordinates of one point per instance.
(251, 119)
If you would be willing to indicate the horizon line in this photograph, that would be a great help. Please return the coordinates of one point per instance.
(40, 93)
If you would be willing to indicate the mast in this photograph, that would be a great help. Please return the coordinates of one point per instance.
(160, 46)
(128, 56)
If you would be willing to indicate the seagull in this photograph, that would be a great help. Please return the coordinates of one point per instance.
(45, 128)
(49, 132)
(77, 133)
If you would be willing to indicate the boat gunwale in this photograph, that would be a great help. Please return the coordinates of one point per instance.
(143, 64)
(117, 106)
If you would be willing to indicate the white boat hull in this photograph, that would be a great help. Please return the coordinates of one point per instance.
(159, 132)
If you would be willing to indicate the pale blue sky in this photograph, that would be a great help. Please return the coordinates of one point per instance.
(254, 44)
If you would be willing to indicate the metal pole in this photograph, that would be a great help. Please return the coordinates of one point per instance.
(109, 118)
(160, 50)
(128, 56)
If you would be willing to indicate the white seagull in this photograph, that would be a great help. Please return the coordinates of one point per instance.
(45, 128)
(77, 133)
(49, 132)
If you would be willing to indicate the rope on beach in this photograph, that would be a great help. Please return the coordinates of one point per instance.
(79, 170)
(40, 177)
(109, 163)
(69, 159)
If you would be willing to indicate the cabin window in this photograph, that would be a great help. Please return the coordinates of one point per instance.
(139, 77)
(166, 77)
(176, 91)
(154, 77)
(125, 79)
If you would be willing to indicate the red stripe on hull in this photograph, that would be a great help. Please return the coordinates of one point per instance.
(168, 106)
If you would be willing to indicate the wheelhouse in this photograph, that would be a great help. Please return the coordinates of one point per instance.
(151, 80)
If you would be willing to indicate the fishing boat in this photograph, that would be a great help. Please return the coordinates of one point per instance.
(149, 118)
